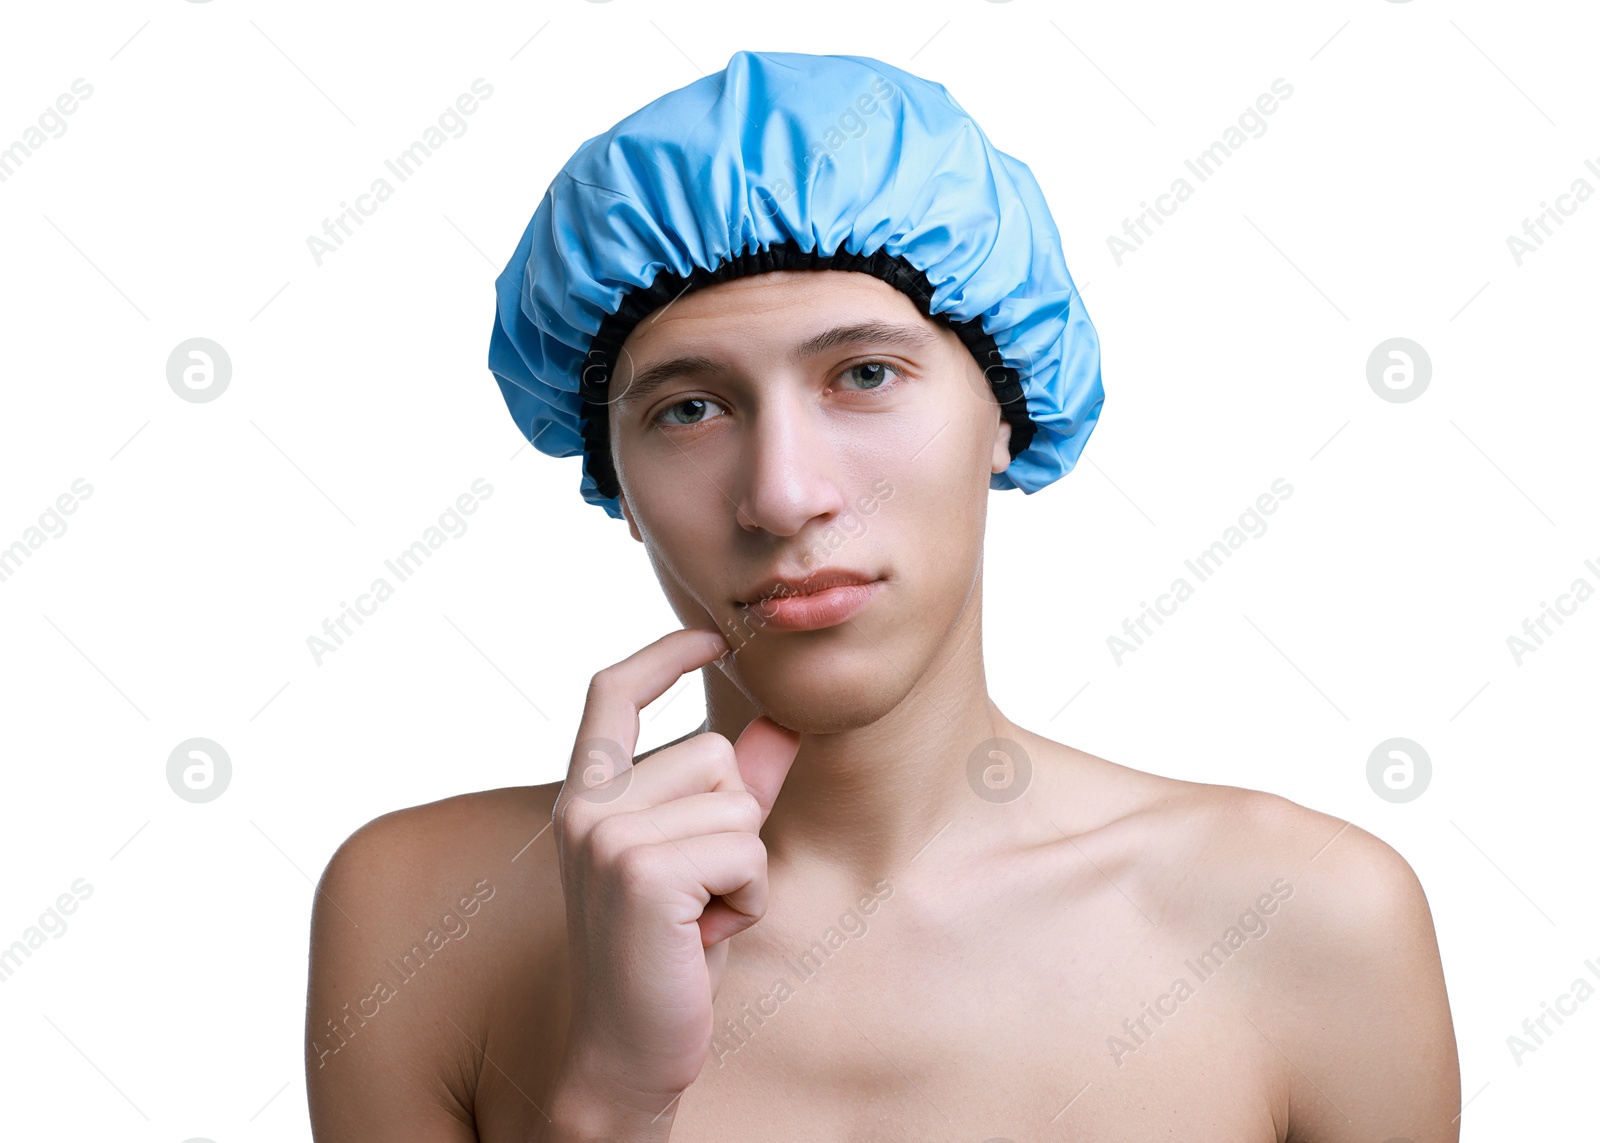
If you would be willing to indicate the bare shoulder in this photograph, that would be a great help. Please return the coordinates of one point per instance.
(1349, 885)
(1229, 843)
(1343, 979)
(415, 911)
(1354, 996)
(466, 825)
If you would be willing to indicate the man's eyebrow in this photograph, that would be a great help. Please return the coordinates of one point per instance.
(877, 332)
(874, 332)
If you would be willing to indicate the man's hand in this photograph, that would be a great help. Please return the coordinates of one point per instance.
(661, 862)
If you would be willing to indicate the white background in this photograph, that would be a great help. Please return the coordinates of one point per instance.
(220, 535)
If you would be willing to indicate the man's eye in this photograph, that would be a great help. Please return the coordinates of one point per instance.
(872, 374)
(869, 377)
(693, 406)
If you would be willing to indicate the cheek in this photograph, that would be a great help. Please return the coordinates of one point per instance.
(948, 480)
(686, 554)
(666, 504)
(936, 516)
(677, 488)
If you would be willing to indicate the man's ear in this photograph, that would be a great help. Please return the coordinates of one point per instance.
(627, 514)
(1001, 459)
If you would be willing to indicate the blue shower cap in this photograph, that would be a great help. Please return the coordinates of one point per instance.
(791, 161)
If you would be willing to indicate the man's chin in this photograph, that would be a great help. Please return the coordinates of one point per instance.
(812, 696)
(810, 715)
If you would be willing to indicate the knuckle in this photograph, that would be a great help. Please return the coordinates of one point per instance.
(570, 816)
(753, 852)
(606, 836)
(747, 809)
(638, 866)
(719, 750)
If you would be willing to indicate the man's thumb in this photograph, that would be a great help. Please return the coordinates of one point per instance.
(765, 752)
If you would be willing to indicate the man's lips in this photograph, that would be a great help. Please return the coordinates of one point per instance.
(786, 587)
(826, 607)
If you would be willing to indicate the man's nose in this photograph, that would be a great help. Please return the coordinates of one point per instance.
(787, 472)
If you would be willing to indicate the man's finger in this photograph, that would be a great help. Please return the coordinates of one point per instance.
(610, 723)
(765, 752)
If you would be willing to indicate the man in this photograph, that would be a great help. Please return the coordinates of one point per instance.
(861, 902)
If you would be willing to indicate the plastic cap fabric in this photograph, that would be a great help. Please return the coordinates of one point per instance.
(785, 160)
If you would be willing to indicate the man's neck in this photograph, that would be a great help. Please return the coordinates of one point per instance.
(868, 800)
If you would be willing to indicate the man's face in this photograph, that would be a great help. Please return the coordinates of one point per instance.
(762, 456)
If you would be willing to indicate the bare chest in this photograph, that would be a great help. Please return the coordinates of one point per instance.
(880, 1044)
(1061, 1028)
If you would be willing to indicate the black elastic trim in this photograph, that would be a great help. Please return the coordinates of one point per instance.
(645, 300)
